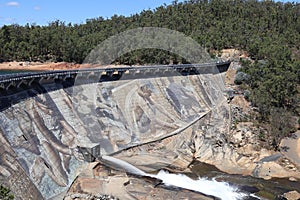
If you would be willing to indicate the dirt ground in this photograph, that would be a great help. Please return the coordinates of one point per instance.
(37, 66)
(230, 74)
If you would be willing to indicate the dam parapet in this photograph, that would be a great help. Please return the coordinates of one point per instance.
(19, 80)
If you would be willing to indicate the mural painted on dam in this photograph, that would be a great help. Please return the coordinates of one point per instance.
(46, 133)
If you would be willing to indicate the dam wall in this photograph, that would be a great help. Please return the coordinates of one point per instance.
(49, 127)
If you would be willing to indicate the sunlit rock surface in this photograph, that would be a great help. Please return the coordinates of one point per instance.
(124, 186)
(44, 135)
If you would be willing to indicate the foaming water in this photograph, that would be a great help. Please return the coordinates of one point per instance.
(214, 188)
(221, 190)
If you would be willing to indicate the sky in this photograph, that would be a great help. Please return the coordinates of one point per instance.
(41, 12)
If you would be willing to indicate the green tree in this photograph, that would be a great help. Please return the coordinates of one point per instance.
(5, 193)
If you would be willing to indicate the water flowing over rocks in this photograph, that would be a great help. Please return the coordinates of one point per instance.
(97, 177)
(158, 123)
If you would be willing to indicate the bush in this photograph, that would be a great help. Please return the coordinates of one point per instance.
(247, 94)
(240, 78)
(280, 125)
(5, 193)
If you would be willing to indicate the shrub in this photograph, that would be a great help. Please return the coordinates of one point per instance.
(240, 78)
(5, 193)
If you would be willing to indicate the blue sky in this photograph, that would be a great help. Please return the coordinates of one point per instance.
(76, 11)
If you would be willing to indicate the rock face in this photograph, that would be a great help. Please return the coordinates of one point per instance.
(292, 195)
(291, 148)
(47, 132)
(13, 175)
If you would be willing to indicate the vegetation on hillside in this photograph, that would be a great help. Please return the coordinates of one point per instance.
(256, 26)
(5, 193)
(274, 86)
(269, 31)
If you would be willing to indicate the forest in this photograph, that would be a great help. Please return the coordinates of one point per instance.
(268, 31)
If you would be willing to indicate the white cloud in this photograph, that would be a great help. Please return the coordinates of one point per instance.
(12, 3)
(37, 8)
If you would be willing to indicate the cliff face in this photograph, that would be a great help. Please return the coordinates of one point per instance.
(43, 137)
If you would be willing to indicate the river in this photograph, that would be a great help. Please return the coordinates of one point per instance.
(266, 189)
(208, 180)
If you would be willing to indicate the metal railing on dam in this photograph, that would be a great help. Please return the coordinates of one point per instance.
(19, 80)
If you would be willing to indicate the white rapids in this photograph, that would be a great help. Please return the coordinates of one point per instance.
(214, 188)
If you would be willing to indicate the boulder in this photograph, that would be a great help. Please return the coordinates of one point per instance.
(292, 195)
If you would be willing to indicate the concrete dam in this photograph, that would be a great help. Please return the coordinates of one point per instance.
(52, 123)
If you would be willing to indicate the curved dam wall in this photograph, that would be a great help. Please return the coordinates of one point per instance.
(52, 129)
